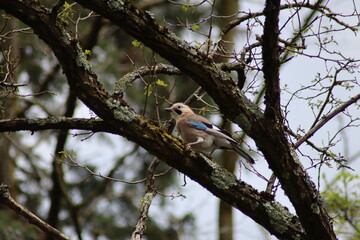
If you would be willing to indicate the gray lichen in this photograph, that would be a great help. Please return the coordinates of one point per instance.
(122, 113)
(38, 121)
(4, 191)
(66, 37)
(221, 178)
(315, 208)
(147, 199)
(279, 217)
(249, 104)
(115, 5)
(123, 83)
(81, 60)
(48, 120)
(57, 119)
(296, 158)
(182, 44)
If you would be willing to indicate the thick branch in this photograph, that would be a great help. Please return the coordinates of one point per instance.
(7, 200)
(296, 183)
(271, 63)
(61, 123)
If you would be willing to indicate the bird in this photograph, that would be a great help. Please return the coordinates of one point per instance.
(200, 134)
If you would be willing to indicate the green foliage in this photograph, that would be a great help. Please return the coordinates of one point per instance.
(87, 52)
(160, 82)
(5, 17)
(137, 43)
(64, 155)
(67, 13)
(187, 6)
(184, 8)
(342, 199)
(67, 5)
(149, 89)
(195, 27)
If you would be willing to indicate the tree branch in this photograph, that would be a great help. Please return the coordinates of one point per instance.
(325, 119)
(125, 81)
(61, 123)
(146, 201)
(7, 200)
(271, 65)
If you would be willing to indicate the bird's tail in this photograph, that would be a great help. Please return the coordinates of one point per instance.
(243, 154)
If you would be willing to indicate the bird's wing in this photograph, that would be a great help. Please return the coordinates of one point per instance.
(212, 130)
(227, 141)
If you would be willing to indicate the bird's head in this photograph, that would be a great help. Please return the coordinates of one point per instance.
(179, 109)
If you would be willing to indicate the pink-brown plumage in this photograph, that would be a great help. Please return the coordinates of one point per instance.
(200, 134)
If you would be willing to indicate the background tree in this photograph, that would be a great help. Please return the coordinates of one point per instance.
(126, 61)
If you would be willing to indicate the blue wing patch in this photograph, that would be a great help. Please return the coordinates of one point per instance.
(198, 125)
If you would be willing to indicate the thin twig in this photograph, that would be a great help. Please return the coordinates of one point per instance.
(325, 119)
(270, 184)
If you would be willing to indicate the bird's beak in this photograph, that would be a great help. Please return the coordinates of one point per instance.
(168, 109)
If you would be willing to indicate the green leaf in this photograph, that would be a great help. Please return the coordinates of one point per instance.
(87, 52)
(148, 89)
(195, 27)
(136, 43)
(161, 83)
(185, 8)
(67, 5)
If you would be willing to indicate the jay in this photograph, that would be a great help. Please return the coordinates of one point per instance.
(200, 134)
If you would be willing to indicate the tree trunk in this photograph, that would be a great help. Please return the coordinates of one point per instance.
(11, 45)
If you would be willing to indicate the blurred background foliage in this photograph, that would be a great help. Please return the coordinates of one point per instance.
(86, 206)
